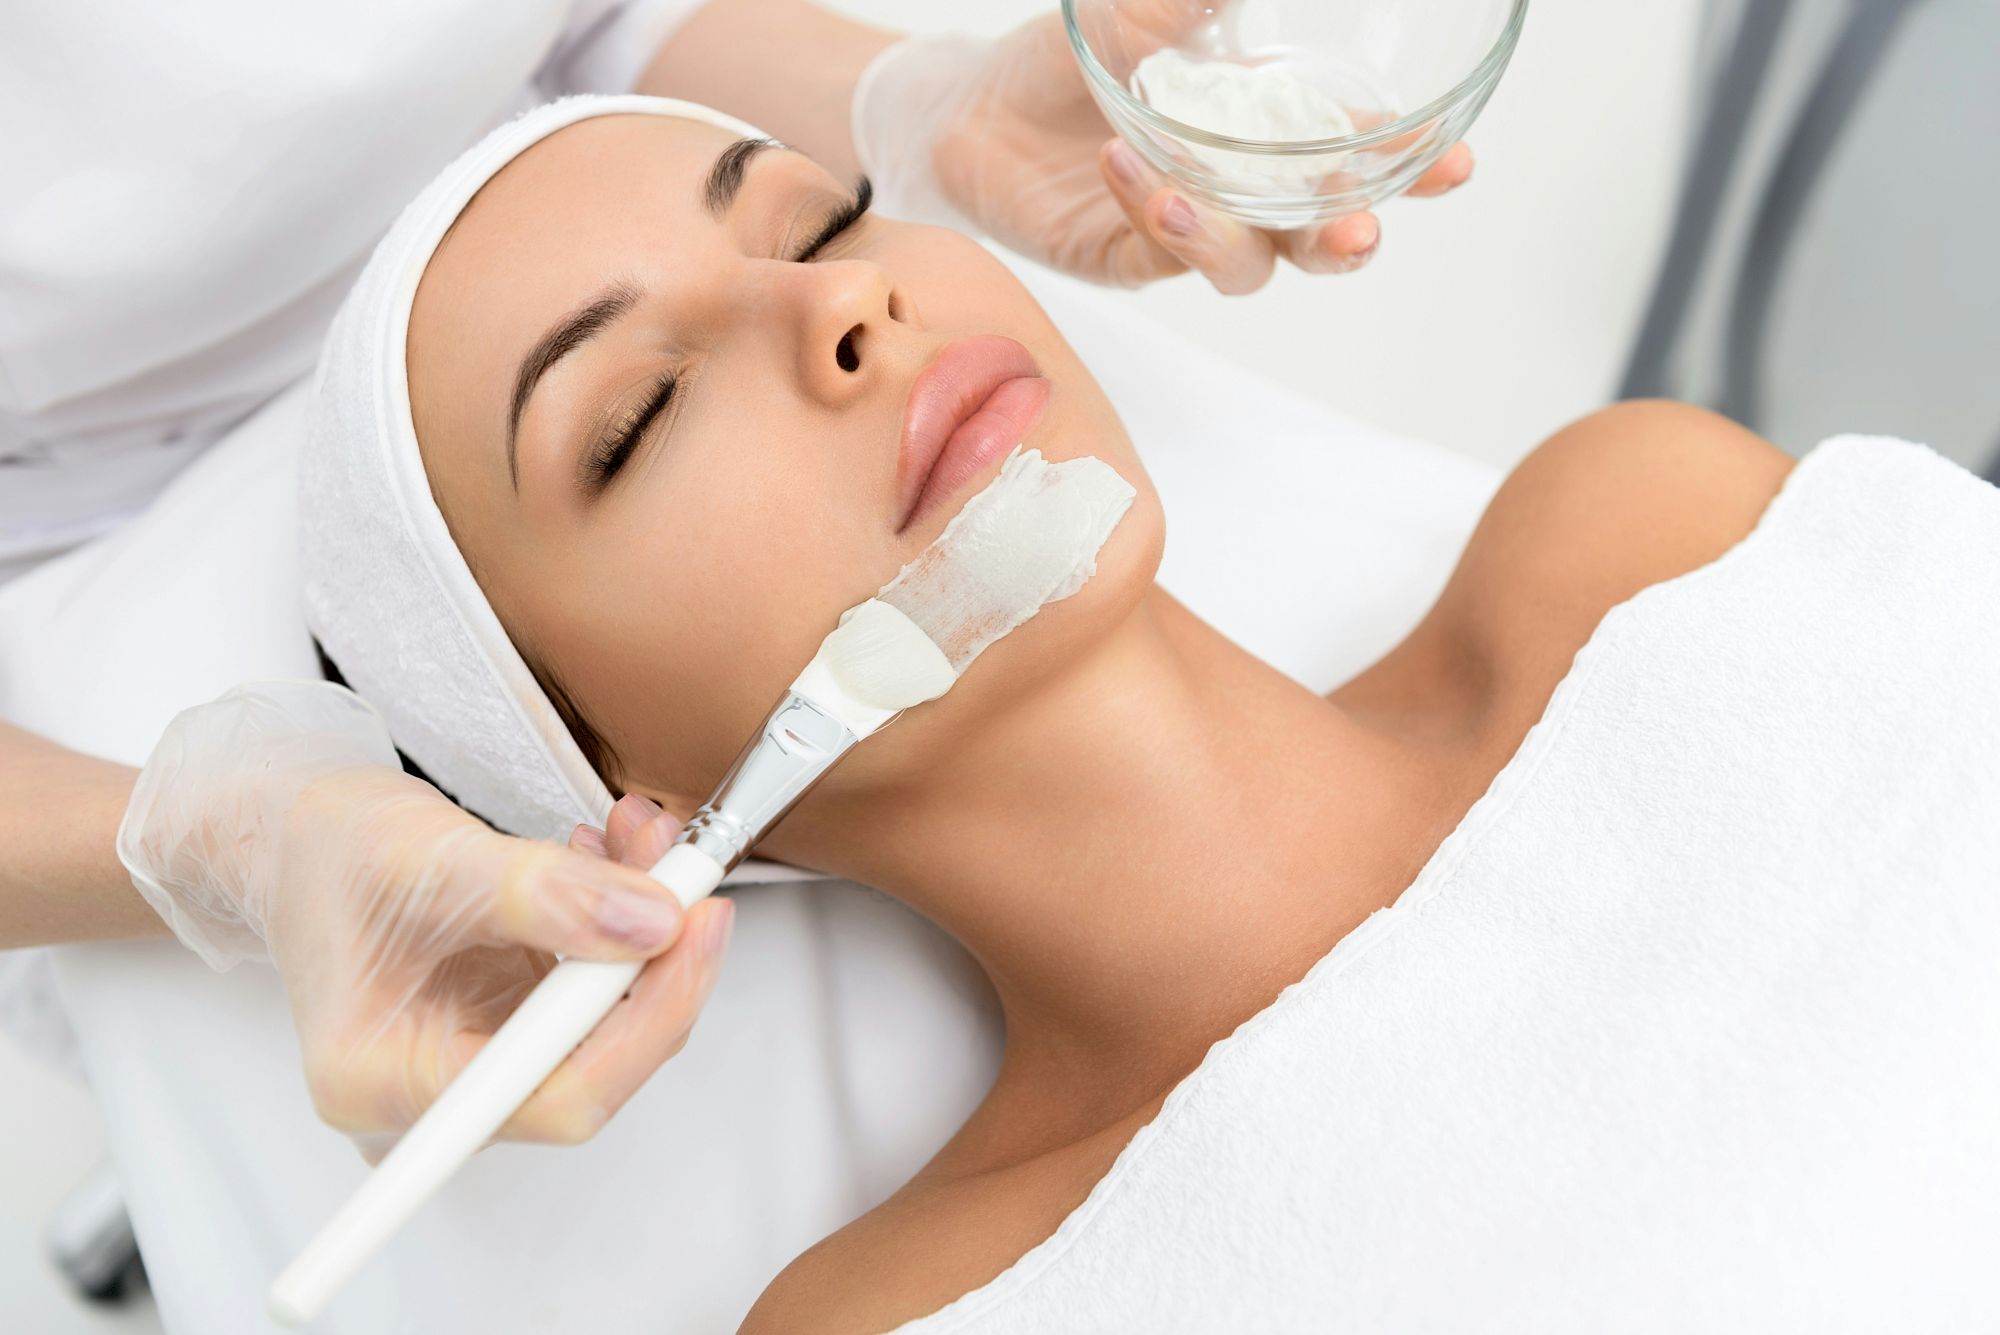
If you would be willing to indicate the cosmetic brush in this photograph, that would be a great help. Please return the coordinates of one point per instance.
(1030, 538)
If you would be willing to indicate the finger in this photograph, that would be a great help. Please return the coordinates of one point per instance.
(1449, 172)
(1133, 256)
(522, 892)
(642, 1033)
(1233, 257)
(650, 842)
(588, 839)
(628, 813)
(1340, 246)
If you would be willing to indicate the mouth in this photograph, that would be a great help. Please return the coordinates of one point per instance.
(975, 401)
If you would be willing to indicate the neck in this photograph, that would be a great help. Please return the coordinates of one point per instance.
(1143, 857)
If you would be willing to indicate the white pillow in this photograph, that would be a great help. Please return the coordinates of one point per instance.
(847, 1039)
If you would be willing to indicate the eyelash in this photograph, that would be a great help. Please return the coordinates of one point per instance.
(609, 454)
(849, 214)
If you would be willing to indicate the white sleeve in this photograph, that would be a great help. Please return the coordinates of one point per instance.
(607, 44)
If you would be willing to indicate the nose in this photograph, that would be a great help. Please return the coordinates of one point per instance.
(849, 316)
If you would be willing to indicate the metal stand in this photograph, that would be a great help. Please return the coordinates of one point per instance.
(1856, 55)
(90, 1240)
(1755, 40)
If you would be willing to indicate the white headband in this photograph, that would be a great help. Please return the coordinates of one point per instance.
(387, 592)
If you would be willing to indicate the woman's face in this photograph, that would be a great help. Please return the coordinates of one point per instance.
(672, 445)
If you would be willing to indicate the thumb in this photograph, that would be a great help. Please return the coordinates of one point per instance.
(569, 902)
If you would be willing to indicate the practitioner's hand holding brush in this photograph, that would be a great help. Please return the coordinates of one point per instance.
(275, 823)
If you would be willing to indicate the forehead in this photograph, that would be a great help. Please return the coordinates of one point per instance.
(550, 214)
(584, 206)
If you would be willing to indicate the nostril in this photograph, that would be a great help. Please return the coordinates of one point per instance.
(849, 359)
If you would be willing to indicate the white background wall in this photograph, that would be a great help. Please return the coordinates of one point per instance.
(1488, 319)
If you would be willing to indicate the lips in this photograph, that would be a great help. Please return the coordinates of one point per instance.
(974, 402)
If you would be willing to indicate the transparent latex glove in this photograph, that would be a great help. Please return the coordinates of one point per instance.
(274, 822)
(1002, 134)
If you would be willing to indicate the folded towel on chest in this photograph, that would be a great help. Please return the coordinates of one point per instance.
(1693, 1023)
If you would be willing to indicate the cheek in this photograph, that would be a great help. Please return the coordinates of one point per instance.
(1009, 677)
(712, 612)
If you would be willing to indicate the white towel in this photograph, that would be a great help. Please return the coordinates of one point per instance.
(1693, 1023)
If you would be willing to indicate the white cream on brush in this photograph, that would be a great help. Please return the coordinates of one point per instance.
(1029, 538)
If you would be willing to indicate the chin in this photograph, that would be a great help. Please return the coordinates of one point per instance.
(1129, 561)
(1063, 633)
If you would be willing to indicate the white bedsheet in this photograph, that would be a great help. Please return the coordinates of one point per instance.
(847, 1038)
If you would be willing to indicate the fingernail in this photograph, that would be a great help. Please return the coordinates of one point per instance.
(716, 934)
(637, 920)
(1177, 218)
(1124, 163)
(640, 805)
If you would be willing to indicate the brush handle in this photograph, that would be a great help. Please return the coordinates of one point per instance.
(562, 1010)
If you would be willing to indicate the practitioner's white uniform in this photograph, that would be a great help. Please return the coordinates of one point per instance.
(186, 191)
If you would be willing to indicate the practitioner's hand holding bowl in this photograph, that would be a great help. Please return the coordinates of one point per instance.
(405, 929)
(1022, 149)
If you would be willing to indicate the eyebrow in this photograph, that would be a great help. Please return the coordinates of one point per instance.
(563, 337)
(719, 191)
(725, 178)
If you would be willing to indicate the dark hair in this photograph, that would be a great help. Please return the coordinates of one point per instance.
(588, 740)
(596, 751)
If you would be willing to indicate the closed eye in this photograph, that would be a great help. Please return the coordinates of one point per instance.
(845, 217)
(603, 459)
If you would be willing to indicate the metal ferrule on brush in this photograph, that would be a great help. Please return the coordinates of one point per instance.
(797, 745)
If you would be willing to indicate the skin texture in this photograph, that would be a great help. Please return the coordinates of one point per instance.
(1075, 811)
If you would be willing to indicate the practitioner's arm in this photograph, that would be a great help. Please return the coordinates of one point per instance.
(60, 879)
(785, 65)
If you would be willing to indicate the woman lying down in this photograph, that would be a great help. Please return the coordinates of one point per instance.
(1616, 952)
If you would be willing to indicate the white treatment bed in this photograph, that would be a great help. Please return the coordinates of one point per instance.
(847, 1038)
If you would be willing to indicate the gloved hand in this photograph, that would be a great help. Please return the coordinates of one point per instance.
(275, 822)
(1004, 134)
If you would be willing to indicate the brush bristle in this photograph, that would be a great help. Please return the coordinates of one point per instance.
(881, 658)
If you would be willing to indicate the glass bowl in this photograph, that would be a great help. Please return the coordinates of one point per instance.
(1362, 96)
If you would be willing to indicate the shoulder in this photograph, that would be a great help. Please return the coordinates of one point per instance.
(1622, 499)
(929, 1244)
(1619, 500)
(844, 1284)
